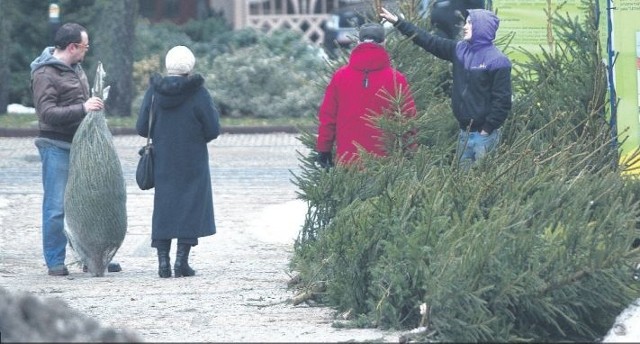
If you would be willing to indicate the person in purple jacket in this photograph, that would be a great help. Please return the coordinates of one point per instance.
(481, 90)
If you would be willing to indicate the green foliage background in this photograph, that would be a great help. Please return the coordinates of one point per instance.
(249, 73)
(533, 244)
(244, 69)
(273, 78)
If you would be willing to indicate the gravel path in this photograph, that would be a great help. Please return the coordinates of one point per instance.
(240, 291)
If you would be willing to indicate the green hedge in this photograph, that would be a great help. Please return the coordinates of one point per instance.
(249, 73)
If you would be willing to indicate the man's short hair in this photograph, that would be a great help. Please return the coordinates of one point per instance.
(372, 32)
(67, 34)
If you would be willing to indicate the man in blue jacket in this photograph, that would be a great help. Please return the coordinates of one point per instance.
(481, 94)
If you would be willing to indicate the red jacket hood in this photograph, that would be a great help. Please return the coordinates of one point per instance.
(355, 93)
(369, 56)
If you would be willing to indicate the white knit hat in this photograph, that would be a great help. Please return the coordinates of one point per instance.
(179, 60)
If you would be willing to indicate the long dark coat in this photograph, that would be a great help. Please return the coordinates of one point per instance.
(184, 120)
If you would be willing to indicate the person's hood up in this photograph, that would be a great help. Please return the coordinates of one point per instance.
(171, 91)
(45, 59)
(480, 52)
(369, 56)
(484, 25)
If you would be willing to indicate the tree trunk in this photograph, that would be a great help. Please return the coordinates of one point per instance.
(115, 48)
(5, 76)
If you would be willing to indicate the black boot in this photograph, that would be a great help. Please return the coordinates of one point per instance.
(164, 261)
(181, 267)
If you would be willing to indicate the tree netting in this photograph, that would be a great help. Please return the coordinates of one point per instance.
(95, 198)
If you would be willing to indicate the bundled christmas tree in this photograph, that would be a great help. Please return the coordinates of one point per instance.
(532, 244)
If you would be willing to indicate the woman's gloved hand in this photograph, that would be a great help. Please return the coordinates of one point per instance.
(324, 159)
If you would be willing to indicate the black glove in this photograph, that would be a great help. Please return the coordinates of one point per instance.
(325, 160)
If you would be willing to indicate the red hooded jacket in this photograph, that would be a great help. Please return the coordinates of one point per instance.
(362, 88)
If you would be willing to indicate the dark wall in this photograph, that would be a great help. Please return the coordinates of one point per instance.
(176, 11)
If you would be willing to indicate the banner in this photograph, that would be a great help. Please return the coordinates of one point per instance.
(626, 44)
(527, 21)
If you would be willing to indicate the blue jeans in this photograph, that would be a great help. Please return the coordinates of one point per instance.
(55, 172)
(472, 147)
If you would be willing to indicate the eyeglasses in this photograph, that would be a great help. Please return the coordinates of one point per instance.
(86, 46)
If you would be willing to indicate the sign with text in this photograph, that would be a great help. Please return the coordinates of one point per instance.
(626, 43)
(528, 22)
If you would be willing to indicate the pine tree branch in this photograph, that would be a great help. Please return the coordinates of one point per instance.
(571, 279)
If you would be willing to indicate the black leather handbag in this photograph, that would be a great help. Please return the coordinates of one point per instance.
(144, 171)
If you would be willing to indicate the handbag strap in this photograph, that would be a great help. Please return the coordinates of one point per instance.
(150, 120)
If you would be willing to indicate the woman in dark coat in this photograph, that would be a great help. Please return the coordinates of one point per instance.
(184, 120)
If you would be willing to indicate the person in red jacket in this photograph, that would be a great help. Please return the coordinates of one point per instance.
(363, 88)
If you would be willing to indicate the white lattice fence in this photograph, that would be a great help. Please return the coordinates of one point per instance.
(308, 24)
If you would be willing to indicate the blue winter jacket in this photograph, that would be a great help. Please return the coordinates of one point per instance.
(481, 94)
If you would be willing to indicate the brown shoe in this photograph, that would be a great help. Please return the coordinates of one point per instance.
(59, 270)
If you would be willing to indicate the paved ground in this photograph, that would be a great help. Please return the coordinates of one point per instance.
(240, 291)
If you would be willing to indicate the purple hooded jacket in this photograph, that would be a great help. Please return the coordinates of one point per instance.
(481, 94)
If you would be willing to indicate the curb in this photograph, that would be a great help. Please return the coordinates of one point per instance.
(289, 129)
